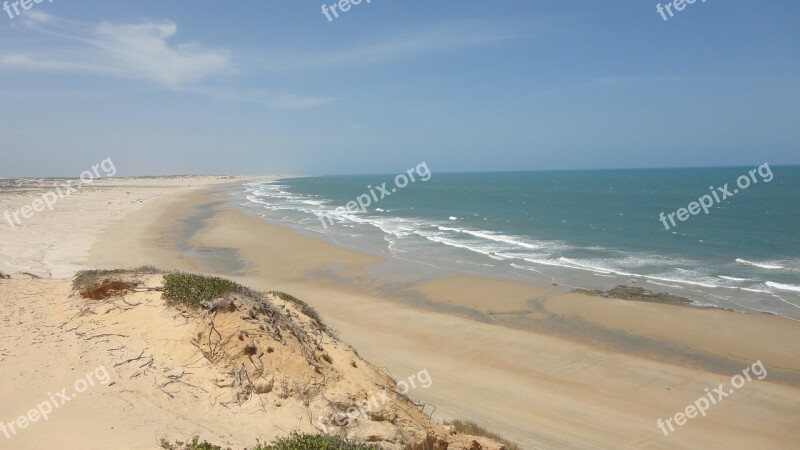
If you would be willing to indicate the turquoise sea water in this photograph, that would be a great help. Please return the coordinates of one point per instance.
(591, 229)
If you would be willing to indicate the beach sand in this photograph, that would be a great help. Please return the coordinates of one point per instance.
(539, 365)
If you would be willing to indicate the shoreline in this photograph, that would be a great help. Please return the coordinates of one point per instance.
(537, 285)
(388, 234)
(625, 341)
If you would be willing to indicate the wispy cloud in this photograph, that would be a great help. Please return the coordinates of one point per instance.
(413, 42)
(144, 51)
(141, 51)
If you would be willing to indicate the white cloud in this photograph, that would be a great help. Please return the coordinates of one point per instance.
(141, 51)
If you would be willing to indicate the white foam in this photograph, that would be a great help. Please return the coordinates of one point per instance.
(673, 280)
(760, 291)
(783, 287)
(452, 243)
(501, 238)
(665, 284)
(762, 265)
(597, 269)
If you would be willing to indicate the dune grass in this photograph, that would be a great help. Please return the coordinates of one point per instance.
(294, 442)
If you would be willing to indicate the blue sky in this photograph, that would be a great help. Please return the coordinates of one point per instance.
(254, 87)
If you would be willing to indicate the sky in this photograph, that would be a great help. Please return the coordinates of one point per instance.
(264, 87)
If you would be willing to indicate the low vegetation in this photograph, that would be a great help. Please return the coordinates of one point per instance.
(474, 429)
(314, 441)
(293, 442)
(194, 444)
(192, 290)
(102, 284)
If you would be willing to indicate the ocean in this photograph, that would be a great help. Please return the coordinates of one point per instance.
(587, 229)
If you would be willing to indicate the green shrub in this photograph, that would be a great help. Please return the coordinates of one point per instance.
(313, 442)
(194, 445)
(294, 442)
(87, 278)
(190, 289)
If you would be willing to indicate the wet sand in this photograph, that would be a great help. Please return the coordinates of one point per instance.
(539, 365)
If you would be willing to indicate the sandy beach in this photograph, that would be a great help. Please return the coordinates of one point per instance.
(543, 367)
(382, 225)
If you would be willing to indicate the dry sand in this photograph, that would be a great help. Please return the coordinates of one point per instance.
(545, 368)
(55, 243)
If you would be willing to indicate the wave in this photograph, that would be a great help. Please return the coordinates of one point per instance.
(453, 243)
(673, 280)
(760, 291)
(734, 278)
(762, 265)
(600, 270)
(570, 264)
(783, 287)
(665, 284)
(496, 237)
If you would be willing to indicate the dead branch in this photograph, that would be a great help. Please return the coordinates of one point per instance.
(103, 335)
(148, 289)
(130, 360)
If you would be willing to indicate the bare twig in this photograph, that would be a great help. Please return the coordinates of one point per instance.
(104, 335)
(130, 360)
